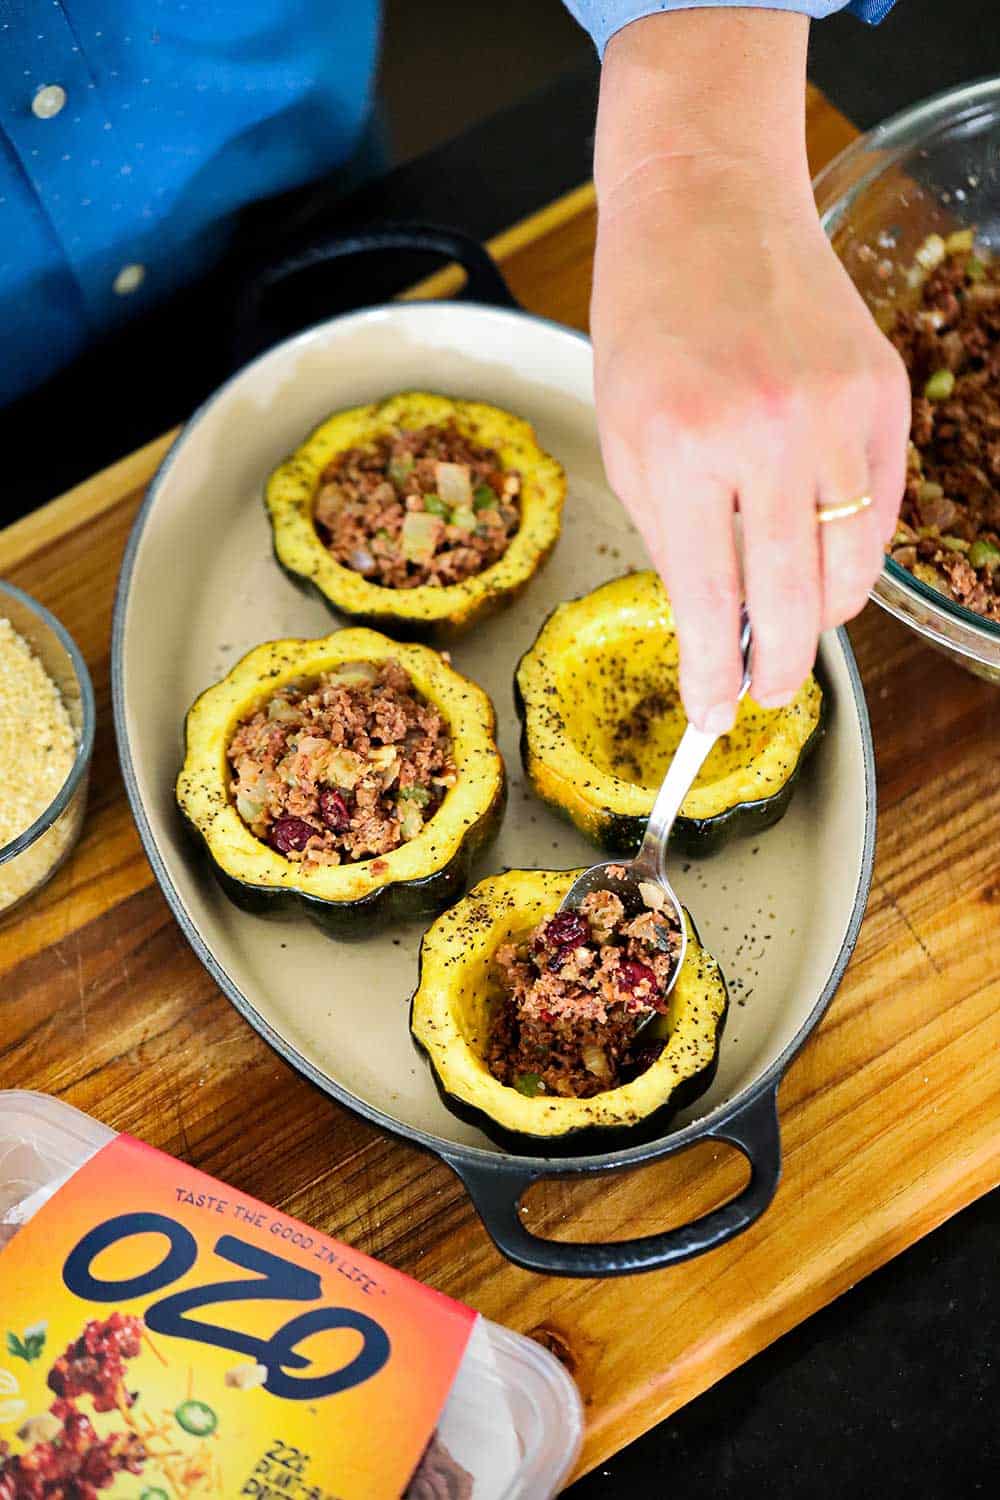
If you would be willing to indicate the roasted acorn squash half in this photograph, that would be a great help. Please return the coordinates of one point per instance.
(598, 696)
(426, 612)
(421, 877)
(450, 1020)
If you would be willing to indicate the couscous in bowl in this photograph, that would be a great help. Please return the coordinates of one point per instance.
(47, 719)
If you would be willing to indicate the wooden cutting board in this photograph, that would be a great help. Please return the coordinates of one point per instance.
(889, 1118)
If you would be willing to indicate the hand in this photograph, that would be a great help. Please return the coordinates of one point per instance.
(736, 367)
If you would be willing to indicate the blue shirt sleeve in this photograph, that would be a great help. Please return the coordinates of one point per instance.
(602, 18)
(132, 133)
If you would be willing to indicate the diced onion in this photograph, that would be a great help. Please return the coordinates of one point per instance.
(653, 895)
(354, 674)
(595, 1060)
(344, 769)
(361, 561)
(281, 710)
(419, 535)
(411, 820)
(931, 253)
(248, 809)
(454, 484)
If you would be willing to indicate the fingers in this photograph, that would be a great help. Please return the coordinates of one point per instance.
(696, 554)
(781, 570)
(682, 441)
(888, 443)
(850, 546)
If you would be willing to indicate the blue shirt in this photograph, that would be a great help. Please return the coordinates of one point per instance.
(602, 18)
(131, 131)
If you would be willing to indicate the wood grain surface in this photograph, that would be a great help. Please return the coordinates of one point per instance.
(889, 1116)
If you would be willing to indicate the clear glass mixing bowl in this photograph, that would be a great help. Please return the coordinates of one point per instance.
(932, 169)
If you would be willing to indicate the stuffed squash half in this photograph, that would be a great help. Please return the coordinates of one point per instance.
(350, 777)
(417, 515)
(548, 1064)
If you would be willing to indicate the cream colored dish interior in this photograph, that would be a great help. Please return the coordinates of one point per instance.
(205, 589)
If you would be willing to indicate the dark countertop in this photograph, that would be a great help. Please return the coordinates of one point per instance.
(893, 1390)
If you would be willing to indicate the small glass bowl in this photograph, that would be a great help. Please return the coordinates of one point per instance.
(28, 861)
(933, 169)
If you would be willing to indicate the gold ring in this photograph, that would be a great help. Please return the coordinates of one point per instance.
(826, 513)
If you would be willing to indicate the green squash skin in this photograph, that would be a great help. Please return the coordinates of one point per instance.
(401, 901)
(592, 1139)
(695, 838)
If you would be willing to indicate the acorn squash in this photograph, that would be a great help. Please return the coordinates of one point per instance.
(425, 612)
(419, 878)
(450, 1021)
(598, 696)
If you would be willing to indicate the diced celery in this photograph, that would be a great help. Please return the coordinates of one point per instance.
(983, 554)
(464, 519)
(940, 385)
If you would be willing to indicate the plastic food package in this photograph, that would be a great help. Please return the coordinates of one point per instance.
(512, 1420)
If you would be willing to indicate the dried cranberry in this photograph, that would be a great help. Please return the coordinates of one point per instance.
(632, 975)
(559, 959)
(567, 929)
(333, 811)
(642, 1058)
(291, 833)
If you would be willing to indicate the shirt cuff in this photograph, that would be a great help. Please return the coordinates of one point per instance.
(602, 18)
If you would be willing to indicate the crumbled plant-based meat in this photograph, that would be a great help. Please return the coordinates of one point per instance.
(344, 768)
(423, 507)
(573, 994)
(949, 530)
(439, 1476)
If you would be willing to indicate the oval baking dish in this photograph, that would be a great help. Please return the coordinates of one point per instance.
(781, 911)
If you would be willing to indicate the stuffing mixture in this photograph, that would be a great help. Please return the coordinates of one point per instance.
(344, 768)
(949, 532)
(423, 507)
(574, 992)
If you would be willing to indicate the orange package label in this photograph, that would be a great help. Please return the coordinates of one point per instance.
(166, 1338)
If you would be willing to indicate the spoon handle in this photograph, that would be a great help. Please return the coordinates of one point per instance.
(689, 757)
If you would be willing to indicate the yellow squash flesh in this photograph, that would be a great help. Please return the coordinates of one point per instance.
(594, 659)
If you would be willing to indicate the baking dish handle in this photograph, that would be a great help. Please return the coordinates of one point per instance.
(496, 1192)
(484, 279)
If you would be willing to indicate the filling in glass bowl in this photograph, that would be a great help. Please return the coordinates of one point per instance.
(949, 530)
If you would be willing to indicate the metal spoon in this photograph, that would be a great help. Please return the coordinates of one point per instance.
(649, 865)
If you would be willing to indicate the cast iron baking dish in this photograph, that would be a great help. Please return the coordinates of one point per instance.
(199, 587)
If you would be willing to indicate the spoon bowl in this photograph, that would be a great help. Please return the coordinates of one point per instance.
(645, 876)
